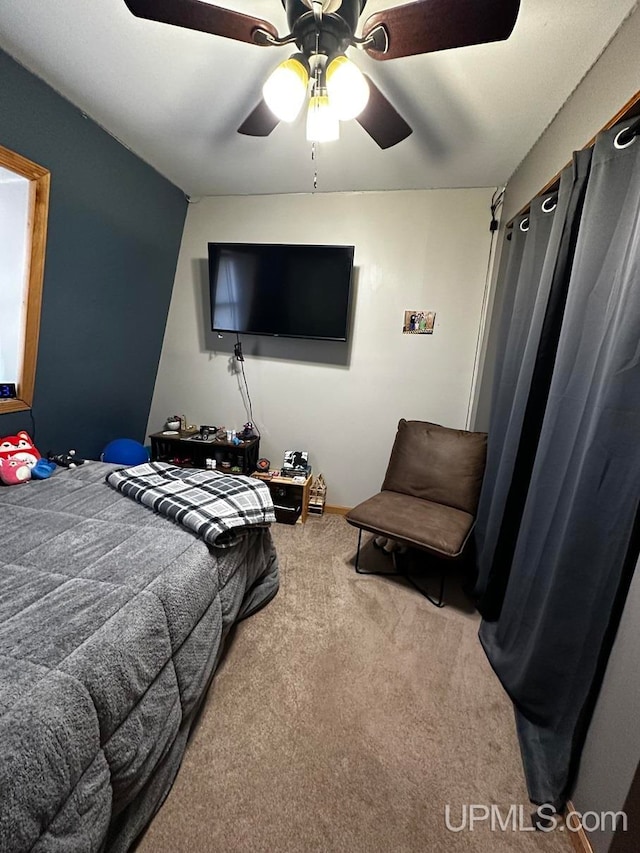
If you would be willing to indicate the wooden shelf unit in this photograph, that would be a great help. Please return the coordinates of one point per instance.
(181, 450)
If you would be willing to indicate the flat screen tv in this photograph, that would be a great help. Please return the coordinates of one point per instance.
(294, 291)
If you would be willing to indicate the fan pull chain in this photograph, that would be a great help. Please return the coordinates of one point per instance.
(315, 171)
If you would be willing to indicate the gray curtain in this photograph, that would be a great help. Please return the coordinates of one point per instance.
(527, 251)
(530, 328)
(576, 534)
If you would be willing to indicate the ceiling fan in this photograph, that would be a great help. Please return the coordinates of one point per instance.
(322, 31)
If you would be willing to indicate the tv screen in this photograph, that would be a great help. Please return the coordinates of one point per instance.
(288, 290)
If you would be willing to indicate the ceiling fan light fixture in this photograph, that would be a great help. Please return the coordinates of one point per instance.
(285, 90)
(322, 120)
(347, 87)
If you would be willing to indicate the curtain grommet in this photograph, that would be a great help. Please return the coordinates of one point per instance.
(524, 225)
(619, 144)
(554, 204)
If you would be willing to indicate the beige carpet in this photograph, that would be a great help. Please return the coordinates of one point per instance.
(345, 717)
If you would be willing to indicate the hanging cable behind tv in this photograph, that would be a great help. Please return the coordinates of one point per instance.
(239, 356)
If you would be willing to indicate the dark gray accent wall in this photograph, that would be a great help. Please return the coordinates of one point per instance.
(115, 227)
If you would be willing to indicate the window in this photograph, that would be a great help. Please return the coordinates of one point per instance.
(24, 204)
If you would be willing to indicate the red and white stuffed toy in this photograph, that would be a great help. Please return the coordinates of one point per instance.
(18, 455)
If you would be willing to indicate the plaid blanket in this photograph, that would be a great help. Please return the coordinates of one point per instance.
(215, 506)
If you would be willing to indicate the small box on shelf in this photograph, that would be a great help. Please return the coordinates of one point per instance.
(187, 432)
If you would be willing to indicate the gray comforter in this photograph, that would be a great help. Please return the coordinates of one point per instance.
(112, 621)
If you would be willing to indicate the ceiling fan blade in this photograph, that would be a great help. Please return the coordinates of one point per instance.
(195, 15)
(260, 122)
(381, 120)
(429, 25)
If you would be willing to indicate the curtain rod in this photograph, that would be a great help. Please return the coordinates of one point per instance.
(631, 110)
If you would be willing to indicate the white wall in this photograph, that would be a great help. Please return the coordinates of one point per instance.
(423, 249)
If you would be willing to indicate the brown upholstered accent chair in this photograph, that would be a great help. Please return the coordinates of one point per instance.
(429, 496)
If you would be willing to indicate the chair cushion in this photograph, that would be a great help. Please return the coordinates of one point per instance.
(438, 464)
(424, 524)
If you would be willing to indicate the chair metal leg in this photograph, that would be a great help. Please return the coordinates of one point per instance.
(407, 576)
(358, 552)
(399, 573)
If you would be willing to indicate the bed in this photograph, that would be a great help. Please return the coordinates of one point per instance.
(112, 621)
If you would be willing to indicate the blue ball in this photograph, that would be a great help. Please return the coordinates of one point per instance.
(125, 451)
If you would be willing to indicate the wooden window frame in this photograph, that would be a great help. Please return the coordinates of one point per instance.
(39, 184)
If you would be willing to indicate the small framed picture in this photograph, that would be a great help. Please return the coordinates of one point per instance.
(418, 322)
(296, 460)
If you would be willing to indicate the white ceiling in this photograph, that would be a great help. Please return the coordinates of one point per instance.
(176, 97)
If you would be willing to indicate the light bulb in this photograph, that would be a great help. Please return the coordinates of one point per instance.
(286, 88)
(347, 87)
(322, 121)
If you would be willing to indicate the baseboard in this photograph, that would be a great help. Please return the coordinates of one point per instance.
(336, 510)
(579, 838)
